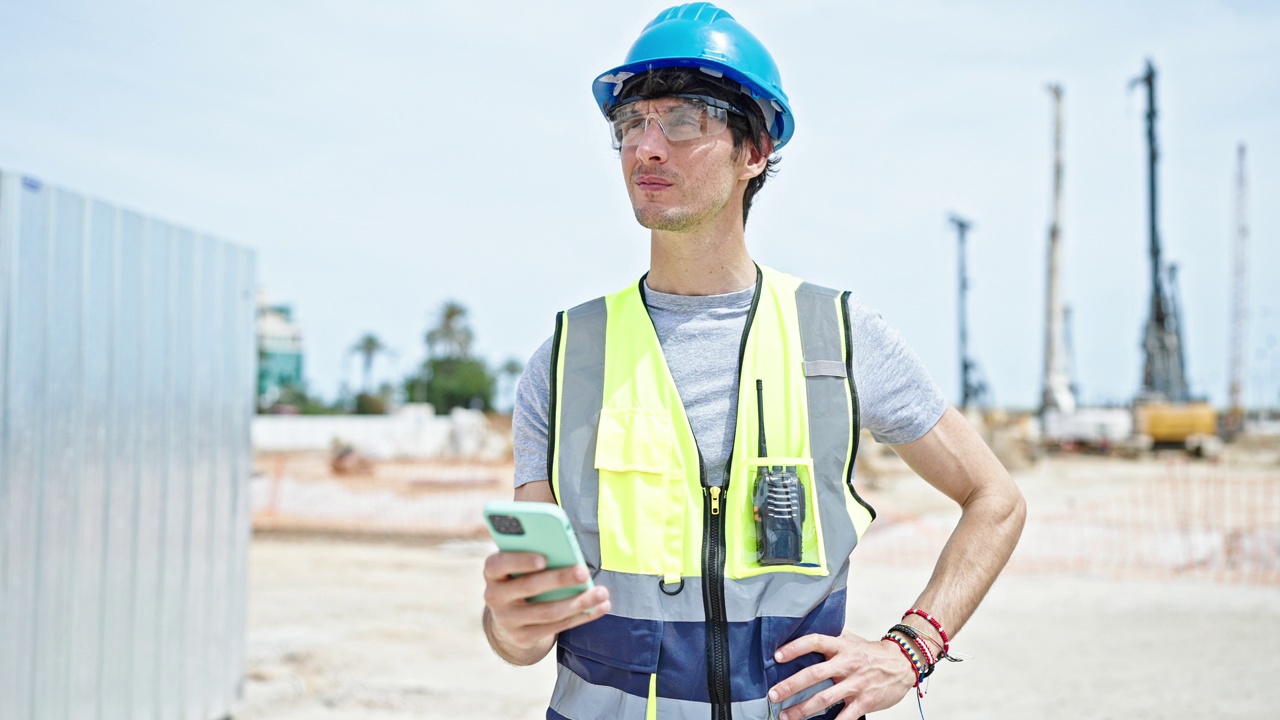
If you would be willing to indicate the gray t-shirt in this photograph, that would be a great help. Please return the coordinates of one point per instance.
(700, 335)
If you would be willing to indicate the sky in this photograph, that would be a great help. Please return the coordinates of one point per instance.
(383, 157)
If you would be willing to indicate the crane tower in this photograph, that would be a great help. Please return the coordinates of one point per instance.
(1163, 374)
(1239, 302)
(1057, 393)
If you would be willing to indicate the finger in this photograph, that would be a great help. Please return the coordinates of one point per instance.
(572, 621)
(517, 613)
(518, 590)
(805, 678)
(569, 608)
(852, 709)
(502, 565)
(818, 703)
(537, 583)
(528, 623)
(824, 644)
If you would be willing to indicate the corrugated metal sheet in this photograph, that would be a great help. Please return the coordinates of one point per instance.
(126, 390)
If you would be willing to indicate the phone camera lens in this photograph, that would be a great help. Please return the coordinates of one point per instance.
(507, 524)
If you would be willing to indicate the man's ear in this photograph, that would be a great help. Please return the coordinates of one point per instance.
(757, 160)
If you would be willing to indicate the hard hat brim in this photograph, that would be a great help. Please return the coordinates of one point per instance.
(607, 86)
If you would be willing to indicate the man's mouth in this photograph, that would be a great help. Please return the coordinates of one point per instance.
(651, 182)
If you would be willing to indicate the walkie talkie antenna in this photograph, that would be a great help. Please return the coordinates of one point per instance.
(760, 414)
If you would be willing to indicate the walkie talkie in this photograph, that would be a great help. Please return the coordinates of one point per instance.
(779, 505)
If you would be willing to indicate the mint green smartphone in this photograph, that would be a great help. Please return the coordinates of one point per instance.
(537, 527)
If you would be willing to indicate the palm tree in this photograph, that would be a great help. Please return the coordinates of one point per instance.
(451, 332)
(368, 347)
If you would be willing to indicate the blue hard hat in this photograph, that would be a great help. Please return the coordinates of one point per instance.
(702, 35)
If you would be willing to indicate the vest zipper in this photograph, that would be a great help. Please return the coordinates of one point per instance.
(713, 552)
(713, 546)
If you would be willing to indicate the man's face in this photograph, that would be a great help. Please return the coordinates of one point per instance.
(679, 185)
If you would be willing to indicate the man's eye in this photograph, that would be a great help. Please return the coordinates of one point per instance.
(684, 118)
(629, 123)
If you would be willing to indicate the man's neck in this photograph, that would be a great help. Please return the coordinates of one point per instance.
(709, 261)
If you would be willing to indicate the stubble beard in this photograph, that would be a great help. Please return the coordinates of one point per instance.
(673, 219)
(667, 220)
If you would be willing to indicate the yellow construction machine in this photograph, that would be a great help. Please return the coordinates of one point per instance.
(1167, 423)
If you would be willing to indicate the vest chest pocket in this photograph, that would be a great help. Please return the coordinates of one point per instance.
(803, 510)
(642, 493)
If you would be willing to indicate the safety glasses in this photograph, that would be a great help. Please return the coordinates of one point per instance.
(691, 117)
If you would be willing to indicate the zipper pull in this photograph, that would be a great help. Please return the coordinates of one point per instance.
(715, 500)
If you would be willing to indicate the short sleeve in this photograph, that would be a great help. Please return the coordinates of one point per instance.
(899, 401)
(529, 418)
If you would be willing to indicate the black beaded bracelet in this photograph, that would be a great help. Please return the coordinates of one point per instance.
(915, 637)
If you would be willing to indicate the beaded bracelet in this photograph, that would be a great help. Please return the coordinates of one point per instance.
(911, 656)
(946, 640)
(914, 634)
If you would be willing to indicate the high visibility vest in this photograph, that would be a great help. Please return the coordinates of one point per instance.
(695, 618)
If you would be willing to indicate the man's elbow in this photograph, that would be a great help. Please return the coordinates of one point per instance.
(1015, 509)
(1002, 503)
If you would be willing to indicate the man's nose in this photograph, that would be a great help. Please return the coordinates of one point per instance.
(653, 142)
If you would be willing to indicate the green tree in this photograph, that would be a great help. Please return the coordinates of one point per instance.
(458, 382)
(451, 332)
(370, 404)
(368, 348)
(450, 377)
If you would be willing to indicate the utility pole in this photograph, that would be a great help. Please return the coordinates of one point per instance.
(1057, 393)
(1239, 302)
(971, 391)
(1163, 374)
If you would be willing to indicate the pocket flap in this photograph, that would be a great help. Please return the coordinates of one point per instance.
(635, 440)
(626, 643)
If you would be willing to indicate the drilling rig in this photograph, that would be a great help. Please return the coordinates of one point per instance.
(1057, 393)
(972, 390)
(1164, 409)
(1239, 303)
(1064, 424)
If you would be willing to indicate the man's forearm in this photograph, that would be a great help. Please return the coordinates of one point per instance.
(973, 557)
(507, 649)
(953, 458)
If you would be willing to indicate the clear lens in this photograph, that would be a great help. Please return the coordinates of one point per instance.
(686, 119)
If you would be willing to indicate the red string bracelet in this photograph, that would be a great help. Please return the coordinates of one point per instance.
(946, 640)
(911, 657)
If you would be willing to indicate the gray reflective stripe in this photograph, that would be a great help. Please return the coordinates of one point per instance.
(799, 698)
(830, 424)
(834, 368)
(579, 413)
(789, 595)
(638, 596)
(578, 699)
(781, 594)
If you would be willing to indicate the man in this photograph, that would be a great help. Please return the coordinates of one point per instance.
(699, 429)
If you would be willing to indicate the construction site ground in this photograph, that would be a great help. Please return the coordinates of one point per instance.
(1142, 588)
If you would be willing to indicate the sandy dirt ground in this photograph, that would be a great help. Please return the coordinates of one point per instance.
(390, 629)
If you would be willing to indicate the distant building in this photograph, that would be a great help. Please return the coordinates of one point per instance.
(279, 352)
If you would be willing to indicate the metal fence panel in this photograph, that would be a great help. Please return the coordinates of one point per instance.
(126, 371)
(25, 446)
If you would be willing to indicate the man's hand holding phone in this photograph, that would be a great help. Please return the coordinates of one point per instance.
(527, 603)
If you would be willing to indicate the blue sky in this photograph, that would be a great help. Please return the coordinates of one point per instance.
(384, 157)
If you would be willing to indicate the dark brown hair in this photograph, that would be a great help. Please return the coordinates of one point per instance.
(747, 128)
